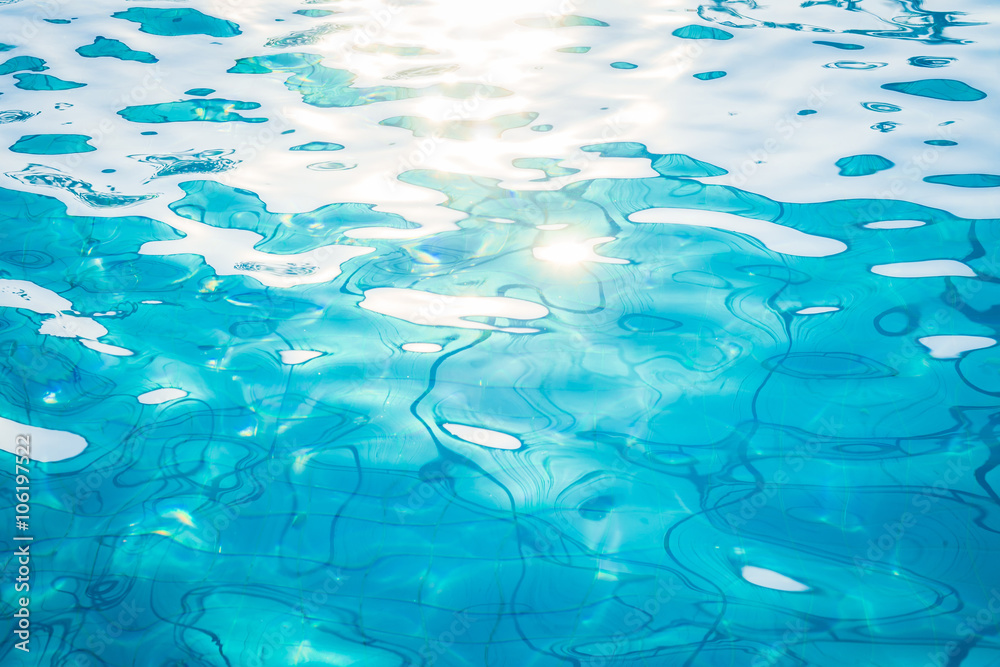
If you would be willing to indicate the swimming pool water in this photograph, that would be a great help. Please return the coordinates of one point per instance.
(590, 333)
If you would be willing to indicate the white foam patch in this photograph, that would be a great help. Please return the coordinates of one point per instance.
(895, 224)
(231, 252)
(293, 357)
(441, 310)
(162, 395)
(773, 236)
(760, 576)
(576, 252)
(930, 268)
(817, 310)
(551, 228)
(46, 445)
(483, 436)
(953, 346)
(422, 347)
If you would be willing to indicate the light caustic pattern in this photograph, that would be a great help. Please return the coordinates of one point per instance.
(517, 333)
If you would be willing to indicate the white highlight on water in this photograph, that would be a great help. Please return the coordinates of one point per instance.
(773, 236)
(575, 252)
(929, 268)
(422, 347)
(760, 576)
(953, 346)
(104, 348)
(231, 252)
(26, 295)
(292, 357)
(895, 224)
(442, 310)
(483, 436)
(817, 310)
(47, 445)
(162, 395)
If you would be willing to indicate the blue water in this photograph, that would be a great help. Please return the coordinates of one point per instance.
(450, 333)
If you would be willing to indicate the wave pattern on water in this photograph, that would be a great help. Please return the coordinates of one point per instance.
(616, 338)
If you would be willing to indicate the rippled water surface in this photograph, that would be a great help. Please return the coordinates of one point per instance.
(527, 333)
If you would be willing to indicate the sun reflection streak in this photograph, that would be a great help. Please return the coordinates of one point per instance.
(576, 252)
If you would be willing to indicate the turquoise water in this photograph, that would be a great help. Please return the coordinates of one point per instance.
(451, 333)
